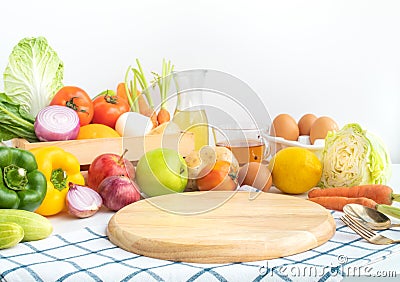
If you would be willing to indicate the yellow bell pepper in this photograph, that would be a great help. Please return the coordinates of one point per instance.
(59, 167)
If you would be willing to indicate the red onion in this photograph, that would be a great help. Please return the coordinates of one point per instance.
(118, 191)
(82, 201)
(56, 123)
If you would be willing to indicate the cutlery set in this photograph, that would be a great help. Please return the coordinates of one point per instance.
(355, 218)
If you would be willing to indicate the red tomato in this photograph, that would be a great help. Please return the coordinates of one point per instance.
(76, 99)
(108, 108)
(216, 178)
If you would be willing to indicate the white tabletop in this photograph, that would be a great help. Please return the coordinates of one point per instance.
(63, 223)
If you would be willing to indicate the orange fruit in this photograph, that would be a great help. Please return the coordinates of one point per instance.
(92, 131)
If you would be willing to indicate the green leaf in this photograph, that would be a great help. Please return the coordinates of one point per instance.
(14, 121)
(5, 134)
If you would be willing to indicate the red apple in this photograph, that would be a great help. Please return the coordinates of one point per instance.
(106, 165)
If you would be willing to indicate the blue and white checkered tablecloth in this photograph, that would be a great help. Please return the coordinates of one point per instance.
(87, 255)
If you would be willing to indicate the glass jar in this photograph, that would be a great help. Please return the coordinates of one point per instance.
(190, 114)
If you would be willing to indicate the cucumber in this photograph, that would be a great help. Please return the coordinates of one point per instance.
(10, 234)
(35, 226)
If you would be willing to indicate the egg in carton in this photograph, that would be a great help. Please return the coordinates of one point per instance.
(309, 133)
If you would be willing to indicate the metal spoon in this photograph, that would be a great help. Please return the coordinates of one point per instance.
(371, 217)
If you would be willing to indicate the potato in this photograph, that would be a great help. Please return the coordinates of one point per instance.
(207, 155)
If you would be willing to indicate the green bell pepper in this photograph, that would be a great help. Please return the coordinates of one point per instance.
(22, 185)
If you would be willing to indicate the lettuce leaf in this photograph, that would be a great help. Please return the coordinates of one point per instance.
(33, 75)
(353, 156)
(14, 121)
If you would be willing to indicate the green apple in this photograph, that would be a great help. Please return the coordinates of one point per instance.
(161, 171)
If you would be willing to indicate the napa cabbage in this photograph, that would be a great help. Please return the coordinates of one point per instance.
(33, 75)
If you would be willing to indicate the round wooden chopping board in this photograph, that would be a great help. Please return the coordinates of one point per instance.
(220, 227)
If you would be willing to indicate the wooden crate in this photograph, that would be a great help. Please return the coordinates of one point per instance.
(87, 150)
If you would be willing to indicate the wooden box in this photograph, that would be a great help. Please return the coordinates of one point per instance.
(87, 150)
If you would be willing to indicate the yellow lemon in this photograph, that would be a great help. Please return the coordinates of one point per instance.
(95, 130)
(295, 170)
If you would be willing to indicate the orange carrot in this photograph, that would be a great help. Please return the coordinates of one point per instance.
(144, 109)
(163, 81)
(153, 118)
(381, 194)
(121, 92)
(337, 202)
(163, 116)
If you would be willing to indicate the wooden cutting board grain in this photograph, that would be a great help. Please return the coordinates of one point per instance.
(220, 227)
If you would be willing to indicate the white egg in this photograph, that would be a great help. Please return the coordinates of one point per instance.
(133, 124)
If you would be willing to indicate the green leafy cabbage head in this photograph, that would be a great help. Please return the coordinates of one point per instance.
(33, 75)
(353, 156)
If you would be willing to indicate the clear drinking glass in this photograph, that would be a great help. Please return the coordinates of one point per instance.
(247, 144)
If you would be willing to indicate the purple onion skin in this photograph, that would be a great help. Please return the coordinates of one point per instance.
(118, 191)
(46, 136)
(72, 205)
(46, 129)
(79, 213)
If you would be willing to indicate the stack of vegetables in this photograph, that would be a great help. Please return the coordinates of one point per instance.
(356, 167)
(37, 180)
(37, 106)
(32, 182)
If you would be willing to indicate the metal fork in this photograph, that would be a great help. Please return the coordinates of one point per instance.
(366, 232)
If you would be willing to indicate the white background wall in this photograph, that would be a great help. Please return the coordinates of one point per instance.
(339, 58)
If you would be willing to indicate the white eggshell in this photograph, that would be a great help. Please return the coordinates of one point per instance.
(133, 124)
